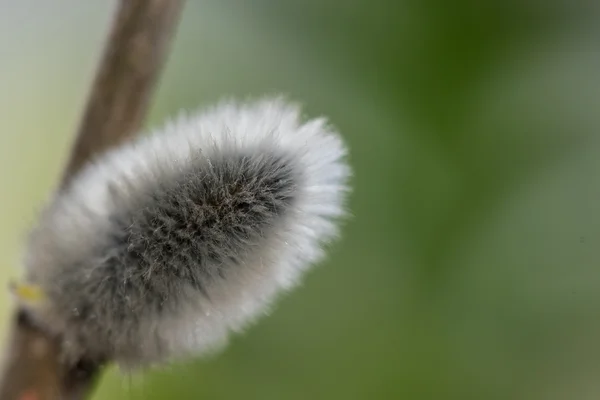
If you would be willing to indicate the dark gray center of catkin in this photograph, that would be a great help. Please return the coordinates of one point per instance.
(190, 230)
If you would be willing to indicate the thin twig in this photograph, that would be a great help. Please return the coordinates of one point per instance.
(133, 58)
(134, 54)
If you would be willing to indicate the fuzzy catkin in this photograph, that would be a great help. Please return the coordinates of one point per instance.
(161, 247)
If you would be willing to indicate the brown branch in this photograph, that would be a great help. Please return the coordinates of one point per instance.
(134, 54)
(133, 58)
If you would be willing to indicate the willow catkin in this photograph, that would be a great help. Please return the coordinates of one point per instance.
(161, 247)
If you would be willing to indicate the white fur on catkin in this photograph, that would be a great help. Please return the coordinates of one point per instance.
(161, 247)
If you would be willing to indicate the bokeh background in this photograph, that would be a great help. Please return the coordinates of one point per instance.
(471, 266)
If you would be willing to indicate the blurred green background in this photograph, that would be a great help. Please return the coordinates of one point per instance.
(471, 267)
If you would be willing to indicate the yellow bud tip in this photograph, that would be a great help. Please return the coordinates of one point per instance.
(27, 293)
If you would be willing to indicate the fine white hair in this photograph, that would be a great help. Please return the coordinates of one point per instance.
(159, 248)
